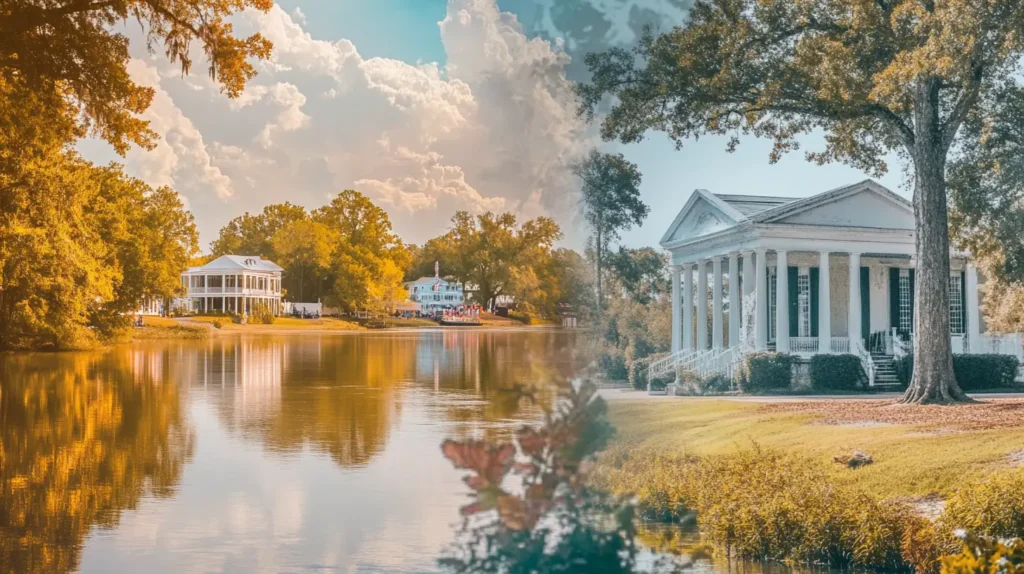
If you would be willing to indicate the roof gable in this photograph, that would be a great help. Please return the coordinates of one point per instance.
(236, 262)
(703, 214)
(866, 204)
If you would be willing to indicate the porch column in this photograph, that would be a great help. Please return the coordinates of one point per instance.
(676, 304)
(761, 302)
(971, 300)
(716, 304)
(781, 302)
(854, 320)
(702, 305)
(749, 282)
(824, 306)
(687, 303)
(735, 303)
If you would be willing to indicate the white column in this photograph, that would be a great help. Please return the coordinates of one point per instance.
(702, 306)
(824, 305)
(971, 300)
(717, 334)
(761, 302)
(676, 310)
(688, 306)
(735, 303)
(781, 302)
(854, 321)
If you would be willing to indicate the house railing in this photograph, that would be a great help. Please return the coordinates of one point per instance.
(840, 345)
(865, 361)
(1010, 344)
(803, 345)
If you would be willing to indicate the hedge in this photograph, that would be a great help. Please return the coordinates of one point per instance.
(973, 372)
(766, 371)
(613, 365)
(638, 371)
(836, 372)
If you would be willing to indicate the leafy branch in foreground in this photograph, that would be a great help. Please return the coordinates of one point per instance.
(553, 520)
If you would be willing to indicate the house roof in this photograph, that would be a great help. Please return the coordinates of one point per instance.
(707, 213)
(751, 204)
(237, 262)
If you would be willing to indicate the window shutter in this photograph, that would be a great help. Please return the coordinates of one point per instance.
(865, 303)
(963, 301)
(794, 308)
(814, 301)
(913, 300)
(894, 297)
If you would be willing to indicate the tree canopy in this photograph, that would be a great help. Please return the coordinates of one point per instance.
(69, 49)
(875, 76)
(611, 202)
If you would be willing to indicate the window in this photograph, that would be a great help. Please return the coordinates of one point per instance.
(906, 302)
(956, 305)
(803, 305)
(772, 273)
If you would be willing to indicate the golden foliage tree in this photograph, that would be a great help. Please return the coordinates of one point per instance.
(70, 50)
(875, 75)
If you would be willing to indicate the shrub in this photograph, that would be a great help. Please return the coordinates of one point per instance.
(766, 371)
(692, 385)
(991, 507)
(217, 324)
(613, 364)
(638, 371)
(986, 556)
(261, 315)
(837, 372)
(973, 372)
(760, 504)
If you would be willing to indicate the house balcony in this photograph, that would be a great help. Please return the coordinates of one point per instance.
(231, 292)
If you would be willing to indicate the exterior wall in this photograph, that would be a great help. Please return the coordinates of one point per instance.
(878, 285)
(839, 275)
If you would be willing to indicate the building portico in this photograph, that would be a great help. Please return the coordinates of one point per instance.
(832, 273)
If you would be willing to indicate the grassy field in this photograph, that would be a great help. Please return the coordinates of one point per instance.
(917, 451)
(157, 328)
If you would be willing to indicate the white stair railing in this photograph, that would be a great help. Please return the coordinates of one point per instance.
(865, 361)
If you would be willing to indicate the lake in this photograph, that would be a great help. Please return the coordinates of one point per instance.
(292, 453)
(275, 453)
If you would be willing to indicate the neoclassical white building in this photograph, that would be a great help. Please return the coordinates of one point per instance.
(232, 284)
(831, 273)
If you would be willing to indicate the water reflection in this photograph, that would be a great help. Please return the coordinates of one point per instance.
(82, 438)
(275, 453)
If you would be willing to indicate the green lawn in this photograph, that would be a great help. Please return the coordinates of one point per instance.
(913, 459)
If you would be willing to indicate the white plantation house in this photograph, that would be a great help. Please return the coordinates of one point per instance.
(232, 284)
(831, 273)
(434, 293)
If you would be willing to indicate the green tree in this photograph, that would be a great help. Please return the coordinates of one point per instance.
(643, 272)
(369, 259)
(68, 50)
(875, 76)
(250, 234)
(611, 202)
(304, 248)
(493, 253)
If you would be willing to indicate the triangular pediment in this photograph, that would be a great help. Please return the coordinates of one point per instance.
(703, 214)
(866, 205)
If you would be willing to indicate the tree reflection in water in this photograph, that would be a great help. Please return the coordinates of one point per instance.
(82, 437)
(343, 395)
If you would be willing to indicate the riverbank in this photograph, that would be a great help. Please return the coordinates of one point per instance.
(918, 452)
(199, 327)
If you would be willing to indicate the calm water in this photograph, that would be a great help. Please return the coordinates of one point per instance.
(247, 454)
(293, 453)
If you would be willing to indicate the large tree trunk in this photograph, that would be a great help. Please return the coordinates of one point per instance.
(933, 380)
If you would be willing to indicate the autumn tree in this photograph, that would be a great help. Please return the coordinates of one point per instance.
(369, 259)
(611, 202)
(642, 273)
(253, 234)
(875, 76)
(69, 50)
(304, 248)
(494, 253)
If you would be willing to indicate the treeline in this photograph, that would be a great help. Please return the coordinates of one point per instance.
(347, 255)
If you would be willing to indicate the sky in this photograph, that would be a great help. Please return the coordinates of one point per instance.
(429, 107)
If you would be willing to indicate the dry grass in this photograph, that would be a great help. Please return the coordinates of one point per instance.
(916, 452)
(985, 415)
